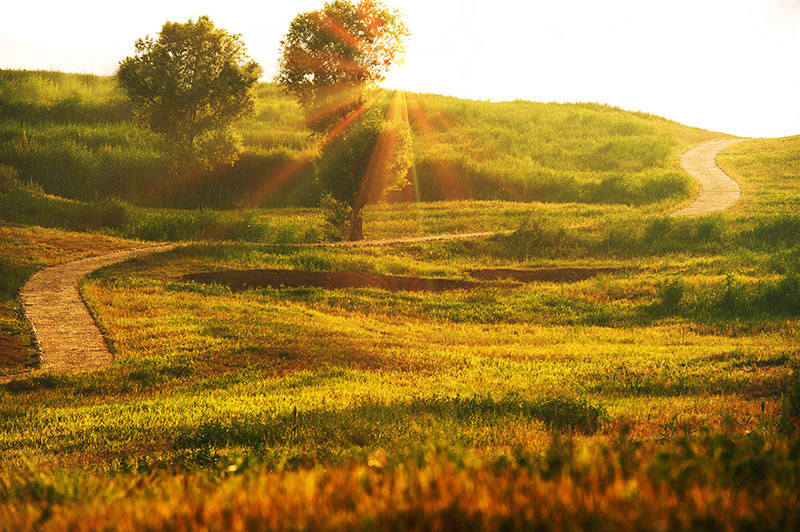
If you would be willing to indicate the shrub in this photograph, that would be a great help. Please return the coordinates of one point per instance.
(660, 187)
(103, 214)
(774, 232)
(733, 299)
(9, 179)
(336, 218)
(613, 188)
(12, 276)
(665, 235)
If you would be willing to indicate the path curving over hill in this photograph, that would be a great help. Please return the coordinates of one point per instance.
(68, 338)
(718, 191)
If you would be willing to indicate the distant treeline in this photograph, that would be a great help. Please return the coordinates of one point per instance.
(75, 135)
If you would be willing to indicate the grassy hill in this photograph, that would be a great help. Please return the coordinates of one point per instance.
(75, 136)
(769, 172)
(660, 392)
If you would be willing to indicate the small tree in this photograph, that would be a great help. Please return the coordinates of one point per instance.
(365, 161)
(188, 86)
(332, 60)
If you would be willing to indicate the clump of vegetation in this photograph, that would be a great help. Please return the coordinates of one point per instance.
(731, 299)
(790, 404)
(670, 295)
(638, 190)
(8, 179)
(536, 237)
(336, 216)
(640, 488)
(189, 85)
(772, 232)
(666, 234)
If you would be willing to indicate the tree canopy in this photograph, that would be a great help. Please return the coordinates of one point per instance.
(331, 60)
(188, 86)
(329, 57)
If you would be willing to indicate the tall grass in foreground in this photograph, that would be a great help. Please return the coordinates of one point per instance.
(710, 481)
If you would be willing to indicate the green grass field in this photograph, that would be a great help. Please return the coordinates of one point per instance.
(75, 136)
(768, 170)
(662, 394)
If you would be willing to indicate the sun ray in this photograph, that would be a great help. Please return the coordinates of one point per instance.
(445, 174)
(278, 180)
(373, 186)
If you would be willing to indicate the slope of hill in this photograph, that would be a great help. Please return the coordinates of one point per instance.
(769, 172)
(651, 393)
(75, 135)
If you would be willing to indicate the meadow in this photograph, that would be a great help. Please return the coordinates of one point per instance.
(661, 394)
(75, 136)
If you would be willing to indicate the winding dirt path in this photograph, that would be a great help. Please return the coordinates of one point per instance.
(718, 191)
(68, 338)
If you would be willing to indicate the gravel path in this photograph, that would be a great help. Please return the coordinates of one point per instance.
(718, 191)
(68, 338)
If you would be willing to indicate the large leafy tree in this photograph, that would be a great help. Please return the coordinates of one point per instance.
(332, 60)
(188, 86)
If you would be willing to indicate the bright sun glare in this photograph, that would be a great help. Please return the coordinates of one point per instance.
(721, 65)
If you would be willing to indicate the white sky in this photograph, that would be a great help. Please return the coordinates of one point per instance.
(725, 65)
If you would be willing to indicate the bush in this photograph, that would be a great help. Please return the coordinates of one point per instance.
(12, 276)
(612, 188)
(774, 232)
(655, 188)
(10, 182)
(336, 218)
(782, 297)
(103, 214)
(665, 234)
(733, 299)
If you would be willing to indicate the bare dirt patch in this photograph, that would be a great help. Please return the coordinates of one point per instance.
(243, 279)
(67, 335)
(13, 352)
(565, 275)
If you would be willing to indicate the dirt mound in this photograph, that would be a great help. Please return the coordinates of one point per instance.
(567, 275)
(241, 279)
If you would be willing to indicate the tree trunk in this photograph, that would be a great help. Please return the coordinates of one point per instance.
(356, 224)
